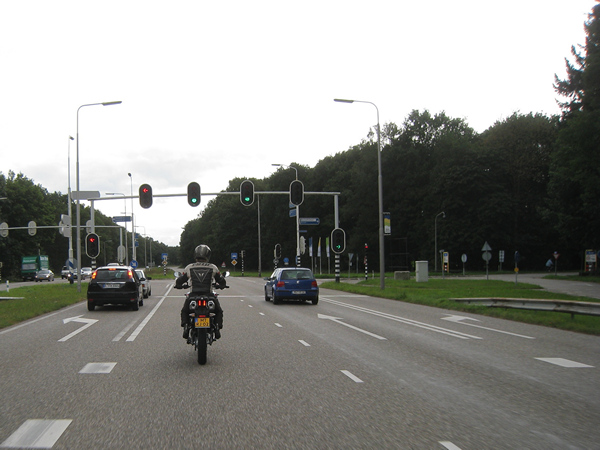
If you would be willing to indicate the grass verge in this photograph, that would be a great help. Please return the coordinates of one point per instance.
(437, 292)
(37, 300)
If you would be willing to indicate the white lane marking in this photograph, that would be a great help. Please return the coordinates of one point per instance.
(88, 323)
(426, 326)
(563, 362)
(262, 314)
(105, 367)
(125, 330)
(278, 325)
(306, 344)
(148, 317)
(338, 320)
(250, 306)
(459, 319)
(449, 445)
(37, 433)
(352, 376)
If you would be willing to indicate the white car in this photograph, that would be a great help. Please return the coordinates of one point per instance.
(146, 286)
(86, 272)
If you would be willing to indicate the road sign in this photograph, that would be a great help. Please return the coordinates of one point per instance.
(486, 247)
(234, 256)
(117, 219)
(309, 221)
(133, 263)
(84, 195)
(486, 256)
(234, 261)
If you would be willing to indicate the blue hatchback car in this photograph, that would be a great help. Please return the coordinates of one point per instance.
(293, 283)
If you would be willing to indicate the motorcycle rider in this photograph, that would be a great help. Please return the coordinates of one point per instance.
(201, 275)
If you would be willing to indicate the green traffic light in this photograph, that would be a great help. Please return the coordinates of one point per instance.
(246, 199)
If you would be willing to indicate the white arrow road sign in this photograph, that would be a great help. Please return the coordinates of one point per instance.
(339, 320)
(459, 319)
(88, 323)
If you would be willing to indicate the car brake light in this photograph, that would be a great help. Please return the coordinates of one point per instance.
(94, 276)
(129, 274)
(314, 283)
(280, 284)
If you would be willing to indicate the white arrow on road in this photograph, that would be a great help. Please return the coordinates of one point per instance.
(459, 319)
(88, 323)
(339, 320)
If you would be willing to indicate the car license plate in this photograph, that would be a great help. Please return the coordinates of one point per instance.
(111, 285)
(202, 322)
(298, 292)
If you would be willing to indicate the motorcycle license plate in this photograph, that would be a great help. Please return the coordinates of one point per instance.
(202, 322)
(298, 292)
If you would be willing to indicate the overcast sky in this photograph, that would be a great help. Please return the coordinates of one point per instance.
(223, 89)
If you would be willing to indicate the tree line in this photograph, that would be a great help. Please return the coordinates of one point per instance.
(25, 201)
(530, 184)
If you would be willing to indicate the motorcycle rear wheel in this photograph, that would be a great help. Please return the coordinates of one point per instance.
(202, 347)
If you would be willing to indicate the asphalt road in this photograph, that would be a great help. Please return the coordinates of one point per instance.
(351, 372)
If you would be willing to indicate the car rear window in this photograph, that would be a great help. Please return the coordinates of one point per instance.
(112, 275)
(296, 275)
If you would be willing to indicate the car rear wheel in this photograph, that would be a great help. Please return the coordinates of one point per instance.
(91, 306)
(315, 301)
(276, 300)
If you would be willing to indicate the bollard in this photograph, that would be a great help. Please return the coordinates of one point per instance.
(7, 286)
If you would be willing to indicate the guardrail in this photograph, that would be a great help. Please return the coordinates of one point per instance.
(11, 298)
(565, 306)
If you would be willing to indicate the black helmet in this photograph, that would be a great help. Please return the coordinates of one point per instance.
(202, 253)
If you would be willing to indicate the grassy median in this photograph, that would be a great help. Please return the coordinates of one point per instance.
(438, 292)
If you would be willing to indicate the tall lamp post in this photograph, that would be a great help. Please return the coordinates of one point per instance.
(133, 252)
(78, 201)
(380, 192)
(69, 207)
(443, 214)
(297, 218)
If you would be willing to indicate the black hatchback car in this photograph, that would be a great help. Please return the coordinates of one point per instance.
(114, 285)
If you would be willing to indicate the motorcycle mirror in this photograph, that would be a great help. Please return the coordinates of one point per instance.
(226, 274)
(176, 274)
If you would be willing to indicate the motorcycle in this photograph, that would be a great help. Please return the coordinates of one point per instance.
(202, 325)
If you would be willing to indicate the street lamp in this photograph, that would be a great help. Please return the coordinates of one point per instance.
(297, 218)
(132, 222)
(78, 202)
(69, 208)
(380, 193)
(443, 214)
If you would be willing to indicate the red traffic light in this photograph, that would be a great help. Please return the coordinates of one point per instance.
(145, 196)
(92, 245)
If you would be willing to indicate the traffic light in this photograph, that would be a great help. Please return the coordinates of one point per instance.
(338, 240)
(193, 194)
(277, 251)
(247, 192)
(145, 196)
(92, 245)
(296, 192)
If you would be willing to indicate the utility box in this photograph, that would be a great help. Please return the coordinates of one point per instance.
(422, 271)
